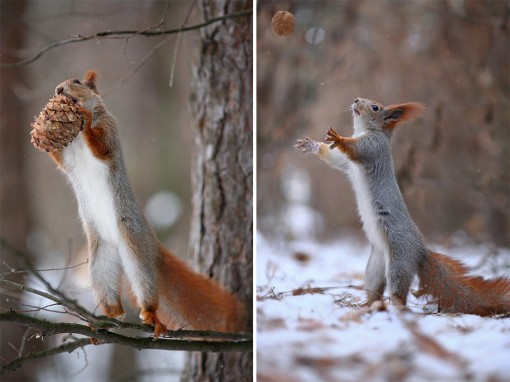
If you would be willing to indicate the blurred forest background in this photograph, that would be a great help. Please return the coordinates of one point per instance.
(38, 209)
(453, 165)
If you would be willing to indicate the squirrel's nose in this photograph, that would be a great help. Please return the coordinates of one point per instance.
(59, 90)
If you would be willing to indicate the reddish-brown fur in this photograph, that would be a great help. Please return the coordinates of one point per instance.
(193, 301)
(447, 281)
(410, 111)
(189, 300)
(184, 299)
(90, 77)
(150, 317)
(442, 278)
(112, 311)
(346, 144)
(96, 138)
(57, 157)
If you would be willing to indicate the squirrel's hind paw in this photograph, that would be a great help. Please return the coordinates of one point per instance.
(149, 317)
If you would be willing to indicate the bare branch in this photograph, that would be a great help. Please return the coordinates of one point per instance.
(13, 271)
(100, 322)
(84, 314)
(239, 341)
(97, 328)
(137, 67)
(122, 34)
(152, 27)
(56, 295)
(177, 43)
(65, 348)
(177, 342)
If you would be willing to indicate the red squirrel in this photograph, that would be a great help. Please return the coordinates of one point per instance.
(398, 249)
(121, 243)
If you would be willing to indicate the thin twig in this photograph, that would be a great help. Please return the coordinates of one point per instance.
(56, 295)
(152, 27)
(136, 68)
(68, 262)
(34, 308)
(13, 271)
(83, 313)
(174, 60)
(65, 348)
(121, 34)
(28, 330)
(177, 43)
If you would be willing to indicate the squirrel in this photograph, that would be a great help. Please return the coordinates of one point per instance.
(121, 243)
(398, 249)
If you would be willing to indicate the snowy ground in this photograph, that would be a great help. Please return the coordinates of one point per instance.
(321, 334)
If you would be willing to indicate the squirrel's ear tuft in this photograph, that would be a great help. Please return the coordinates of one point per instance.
(404, 112)
(90, 80)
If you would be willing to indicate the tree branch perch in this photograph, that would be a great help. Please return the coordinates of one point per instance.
(98, 327)
(179, 340)
(122, 34)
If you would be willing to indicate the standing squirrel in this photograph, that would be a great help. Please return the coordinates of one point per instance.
(398, 249)
(120, 241)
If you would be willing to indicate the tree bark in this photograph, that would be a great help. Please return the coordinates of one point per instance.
(14, 220)
(222, 173)
(14, 211)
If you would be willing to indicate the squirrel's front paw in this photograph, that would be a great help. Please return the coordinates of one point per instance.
(149, 317)
(307, 145)
(87, 116)
(333, 137)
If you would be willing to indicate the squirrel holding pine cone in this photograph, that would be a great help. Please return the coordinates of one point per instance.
(81, 136)
(57, 124)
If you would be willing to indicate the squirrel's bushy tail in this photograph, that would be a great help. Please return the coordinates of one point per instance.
(447, 281)
(192, 301)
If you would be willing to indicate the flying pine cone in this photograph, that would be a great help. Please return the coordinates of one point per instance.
(58, 123)
(283, 23)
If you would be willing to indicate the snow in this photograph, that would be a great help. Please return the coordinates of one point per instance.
(328, 336)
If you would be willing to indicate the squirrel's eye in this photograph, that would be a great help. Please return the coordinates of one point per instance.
(375, 108)
(76, 82)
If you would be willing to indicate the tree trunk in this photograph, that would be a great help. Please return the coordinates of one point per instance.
(13, 133)
(222, 172)
(14, 212)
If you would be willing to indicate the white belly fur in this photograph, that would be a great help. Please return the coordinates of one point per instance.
(366, 208)
(89, 177)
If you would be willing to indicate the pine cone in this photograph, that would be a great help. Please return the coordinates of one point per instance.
(283, 23)
(57, 125)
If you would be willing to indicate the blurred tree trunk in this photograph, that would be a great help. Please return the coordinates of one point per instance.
(13, 135)
(222, 172)
(14, 213)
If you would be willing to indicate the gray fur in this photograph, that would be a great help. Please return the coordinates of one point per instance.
(398, 249)
(405, 245)
(132, 248)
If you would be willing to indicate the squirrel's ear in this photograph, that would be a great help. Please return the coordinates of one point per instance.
(90, 80)
(402, 113)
